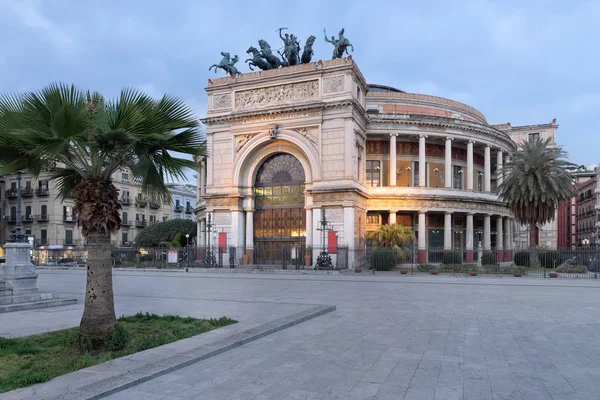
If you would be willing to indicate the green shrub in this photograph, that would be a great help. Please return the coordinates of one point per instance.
(514, 269)
(426, 268)
(489, 258)
(550, 259)
(521, 259)
(452, 257)
(493, 268)
(383, 260)
(456, 268)
(572, 269)
(116, 339)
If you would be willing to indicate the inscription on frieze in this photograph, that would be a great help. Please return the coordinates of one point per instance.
(277, 95)
(222, 100)
(334, 84)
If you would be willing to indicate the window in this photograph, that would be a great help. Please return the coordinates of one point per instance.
(457, 177)
(480, 181)
(372, 218)
(124, 217)
(44, 236)
(68, 213)
(124, 177)
(187, 205)
(124, 237)
(68, 237)
(152, 219)
(416, 173)
(177, 203)
(533, 136)
(45, 211)
(28, 185)
(373, 172)
(13, 213)
(28, 213)
(28, 231)
(13, 185)
(165, 219)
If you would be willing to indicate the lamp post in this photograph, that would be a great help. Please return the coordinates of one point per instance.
(209, 258)
(17, 236)
(324, 259)
(187, 252)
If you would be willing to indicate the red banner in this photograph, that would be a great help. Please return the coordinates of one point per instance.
(222, 242)
(332, 242)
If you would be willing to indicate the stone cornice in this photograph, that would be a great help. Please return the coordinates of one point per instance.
(425, 99)
(283, 112)
(441, 122)
(292, 71)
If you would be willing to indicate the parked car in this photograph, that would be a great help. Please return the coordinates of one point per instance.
(66, 262)
(50, 263)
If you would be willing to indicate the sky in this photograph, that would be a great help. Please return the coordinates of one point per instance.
(523, 62)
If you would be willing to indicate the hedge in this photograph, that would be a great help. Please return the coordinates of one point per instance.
(489, 258)
(452, 257)
(155, 234)
(383, 260)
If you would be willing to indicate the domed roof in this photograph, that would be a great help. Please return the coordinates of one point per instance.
(382, 88)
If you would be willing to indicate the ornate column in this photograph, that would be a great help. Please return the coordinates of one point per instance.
(309, 227)
(469, 238)
(422, 239)
(202, 235)
(508, 245)
(392, 219)
(499, 172)
(487, 183)
(470, 165)
(487, 232)
(249, 239)
(393, 159)
(448, 231)
(422, 169)
(499, 239)
(448, 164)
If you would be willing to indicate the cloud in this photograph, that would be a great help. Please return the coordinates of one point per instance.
(29, 14)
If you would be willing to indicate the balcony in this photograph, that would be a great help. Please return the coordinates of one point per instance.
(140, 224)
(178, 209)
(28, 218)
(69, 218)
(11, 193)
(125, 222)
(189, 210)
(141, 203)
(42, 192)
(154, 206)
(41, 242)
(42, 218)
(27, 191)
(125, 200)
(10, 219)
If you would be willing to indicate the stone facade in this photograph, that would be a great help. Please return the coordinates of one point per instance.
(370, 155)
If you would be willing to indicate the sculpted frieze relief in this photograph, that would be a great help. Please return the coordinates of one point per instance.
(242, 140)
(276, 95)
(222, 100)
(334, 84)
(309, 133)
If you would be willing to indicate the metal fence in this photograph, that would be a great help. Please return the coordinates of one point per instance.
(273, 256)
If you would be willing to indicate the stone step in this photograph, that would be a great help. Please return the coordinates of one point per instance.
(20, 298)
(37, 304)
(5, 292)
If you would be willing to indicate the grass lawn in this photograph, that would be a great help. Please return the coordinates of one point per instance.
(39, 358)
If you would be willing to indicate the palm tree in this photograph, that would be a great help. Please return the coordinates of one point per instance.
(394, 237)
(81, 139)
(537, 179)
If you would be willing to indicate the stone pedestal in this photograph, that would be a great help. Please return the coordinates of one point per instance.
(18, 272)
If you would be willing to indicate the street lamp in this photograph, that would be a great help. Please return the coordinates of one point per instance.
(324, 259)
(209, 258)
(187, 251)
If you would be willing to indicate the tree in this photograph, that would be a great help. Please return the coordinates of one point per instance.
(537, 179)
(161, 232)
(81, 139)
(394, 237)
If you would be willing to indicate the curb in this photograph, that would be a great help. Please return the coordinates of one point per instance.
(153, 368)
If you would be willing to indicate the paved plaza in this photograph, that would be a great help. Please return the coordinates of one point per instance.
(391, 337)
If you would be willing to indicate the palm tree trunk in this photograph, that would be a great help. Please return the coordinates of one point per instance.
(99, 309)
(534, 260)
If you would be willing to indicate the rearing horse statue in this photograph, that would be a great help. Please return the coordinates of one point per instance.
(227, 64)
(257, 60)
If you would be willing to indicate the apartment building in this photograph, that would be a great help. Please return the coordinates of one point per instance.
(53, 222)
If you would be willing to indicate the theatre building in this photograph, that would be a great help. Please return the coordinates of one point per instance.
(287, 145)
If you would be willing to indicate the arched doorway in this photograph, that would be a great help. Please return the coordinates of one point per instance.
(279, 216)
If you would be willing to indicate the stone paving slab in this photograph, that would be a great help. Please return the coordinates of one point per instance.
(391, 337)
(117, 375)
